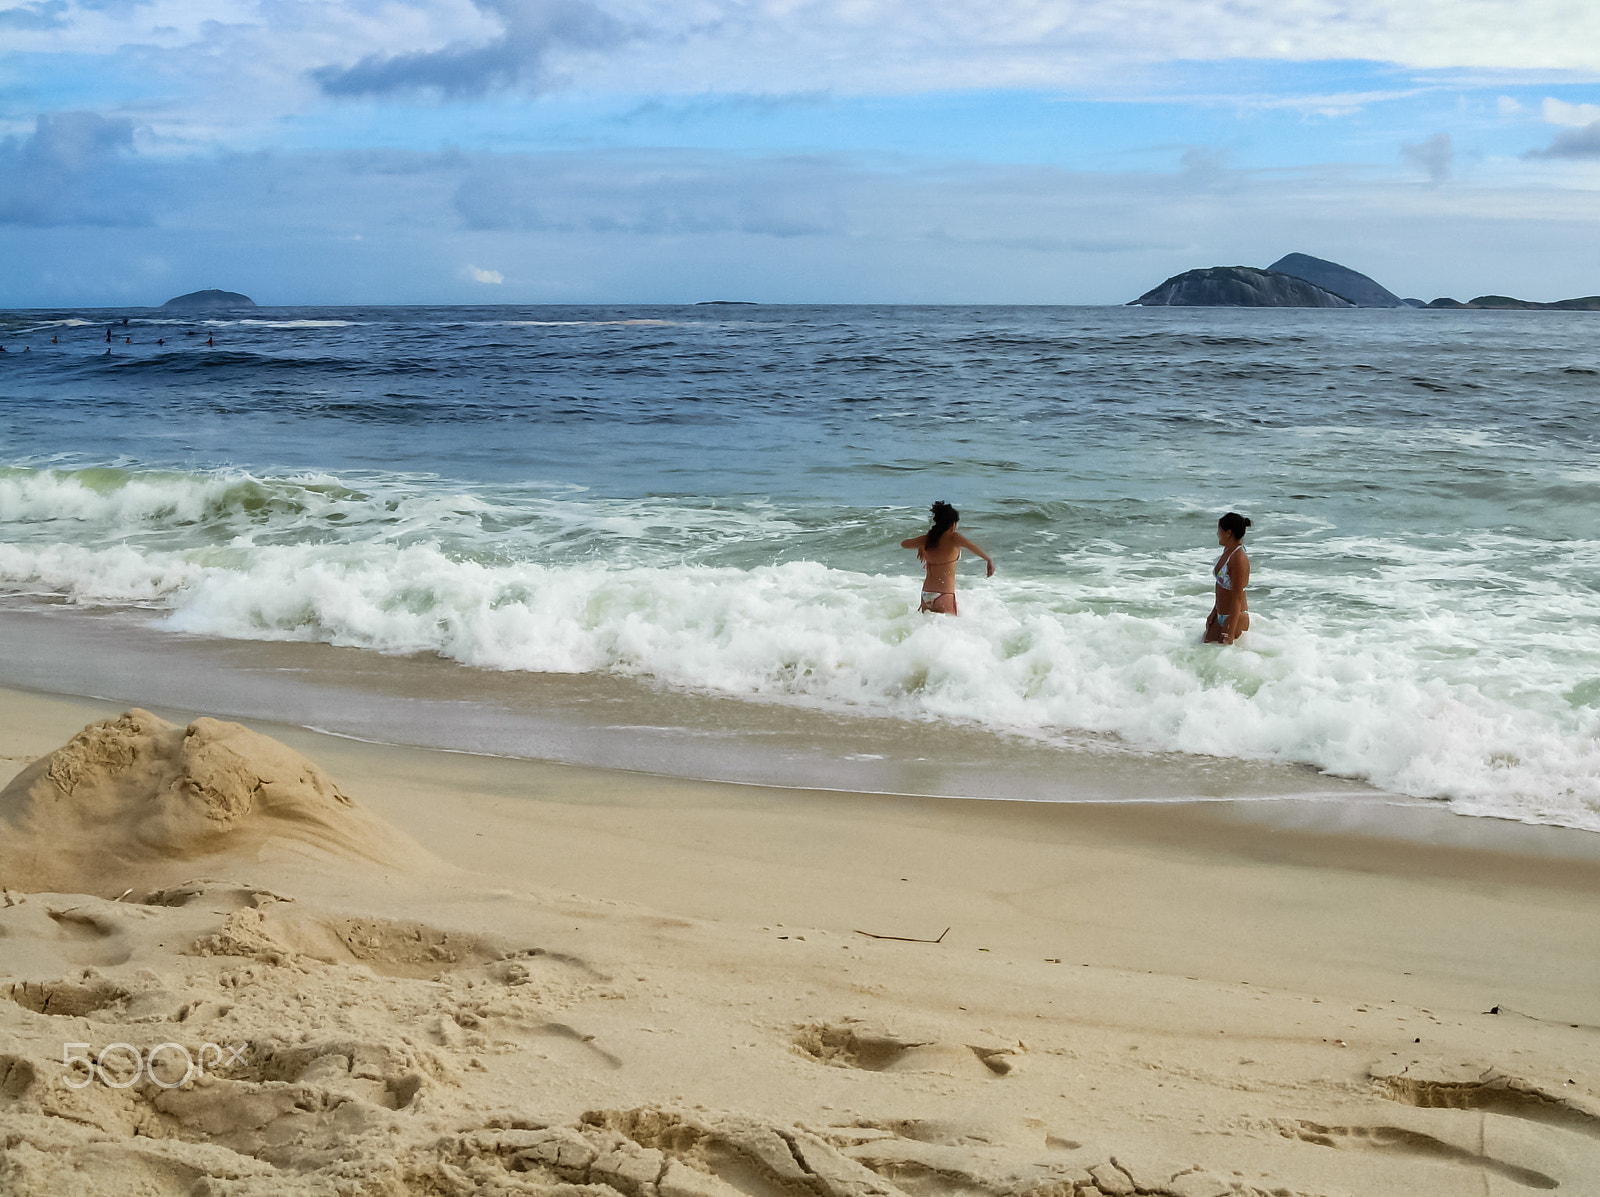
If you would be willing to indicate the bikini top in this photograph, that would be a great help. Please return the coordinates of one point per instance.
(1221, 571)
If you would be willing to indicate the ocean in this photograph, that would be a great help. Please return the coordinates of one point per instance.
(668, 538)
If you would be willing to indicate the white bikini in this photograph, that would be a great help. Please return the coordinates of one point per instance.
(1220, 573)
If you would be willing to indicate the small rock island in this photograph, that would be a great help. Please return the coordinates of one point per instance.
(210, 300)
(1504, 303)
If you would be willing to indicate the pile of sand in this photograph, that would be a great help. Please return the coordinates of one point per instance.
(137, 801)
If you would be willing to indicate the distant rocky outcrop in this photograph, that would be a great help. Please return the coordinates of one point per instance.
(1239, 287)
(1301, 281)
(208, 301)
(1504, 303)
(1341, 280)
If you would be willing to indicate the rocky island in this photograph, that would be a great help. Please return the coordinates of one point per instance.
(1301, 281)
(1341, 280)
(1239, 287)
(210, 300)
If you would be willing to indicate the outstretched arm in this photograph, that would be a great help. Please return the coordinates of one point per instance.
(964, 543)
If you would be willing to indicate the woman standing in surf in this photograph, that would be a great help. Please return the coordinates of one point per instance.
(1229, 618)
(938, 549)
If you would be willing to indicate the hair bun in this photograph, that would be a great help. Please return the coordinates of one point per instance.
(1234, 525)
(945, 517)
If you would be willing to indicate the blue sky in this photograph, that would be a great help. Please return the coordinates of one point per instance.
(1024, 151)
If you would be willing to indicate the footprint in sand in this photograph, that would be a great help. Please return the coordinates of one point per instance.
(69, 999)
(390, 948)
(1401, 1141)
(81, 929)
(1492, 1093)
(851, 1044)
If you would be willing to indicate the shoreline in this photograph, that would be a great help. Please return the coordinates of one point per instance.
(630, 724)
(436, 705)
(1405, 839)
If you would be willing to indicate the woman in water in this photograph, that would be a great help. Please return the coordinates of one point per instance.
(938, 550)
(1229, 619)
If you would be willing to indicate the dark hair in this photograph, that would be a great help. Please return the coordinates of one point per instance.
(944, 518)
(1234, 525)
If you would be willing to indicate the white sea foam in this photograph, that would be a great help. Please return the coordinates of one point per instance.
(639, 323)
(257, 322)
(1451, 682)
(67, 322)
(119, 575)
(286, 324)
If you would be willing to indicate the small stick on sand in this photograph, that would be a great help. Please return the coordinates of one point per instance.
(904, 938)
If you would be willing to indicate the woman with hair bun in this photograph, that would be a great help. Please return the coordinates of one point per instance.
(938, 549)
(1229, 618)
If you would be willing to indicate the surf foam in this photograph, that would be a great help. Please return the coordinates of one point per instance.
(1436, 695)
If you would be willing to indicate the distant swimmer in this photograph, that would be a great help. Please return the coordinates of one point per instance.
(161, 340)
(938, 550)
(1228, 619)
(108, 336)
(210, 342)
(53, 340)
(127, 340)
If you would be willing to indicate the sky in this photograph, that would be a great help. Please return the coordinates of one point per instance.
(789, 151)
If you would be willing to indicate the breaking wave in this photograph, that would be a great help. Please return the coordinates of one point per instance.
(1440, 692)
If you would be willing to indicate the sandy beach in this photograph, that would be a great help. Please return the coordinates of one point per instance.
(437, 973)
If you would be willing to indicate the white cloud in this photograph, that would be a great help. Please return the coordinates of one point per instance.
(233, 62)
(1571, 116)
(911, 45)
(1510, 107)
(1327, 104)
(479, 275)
